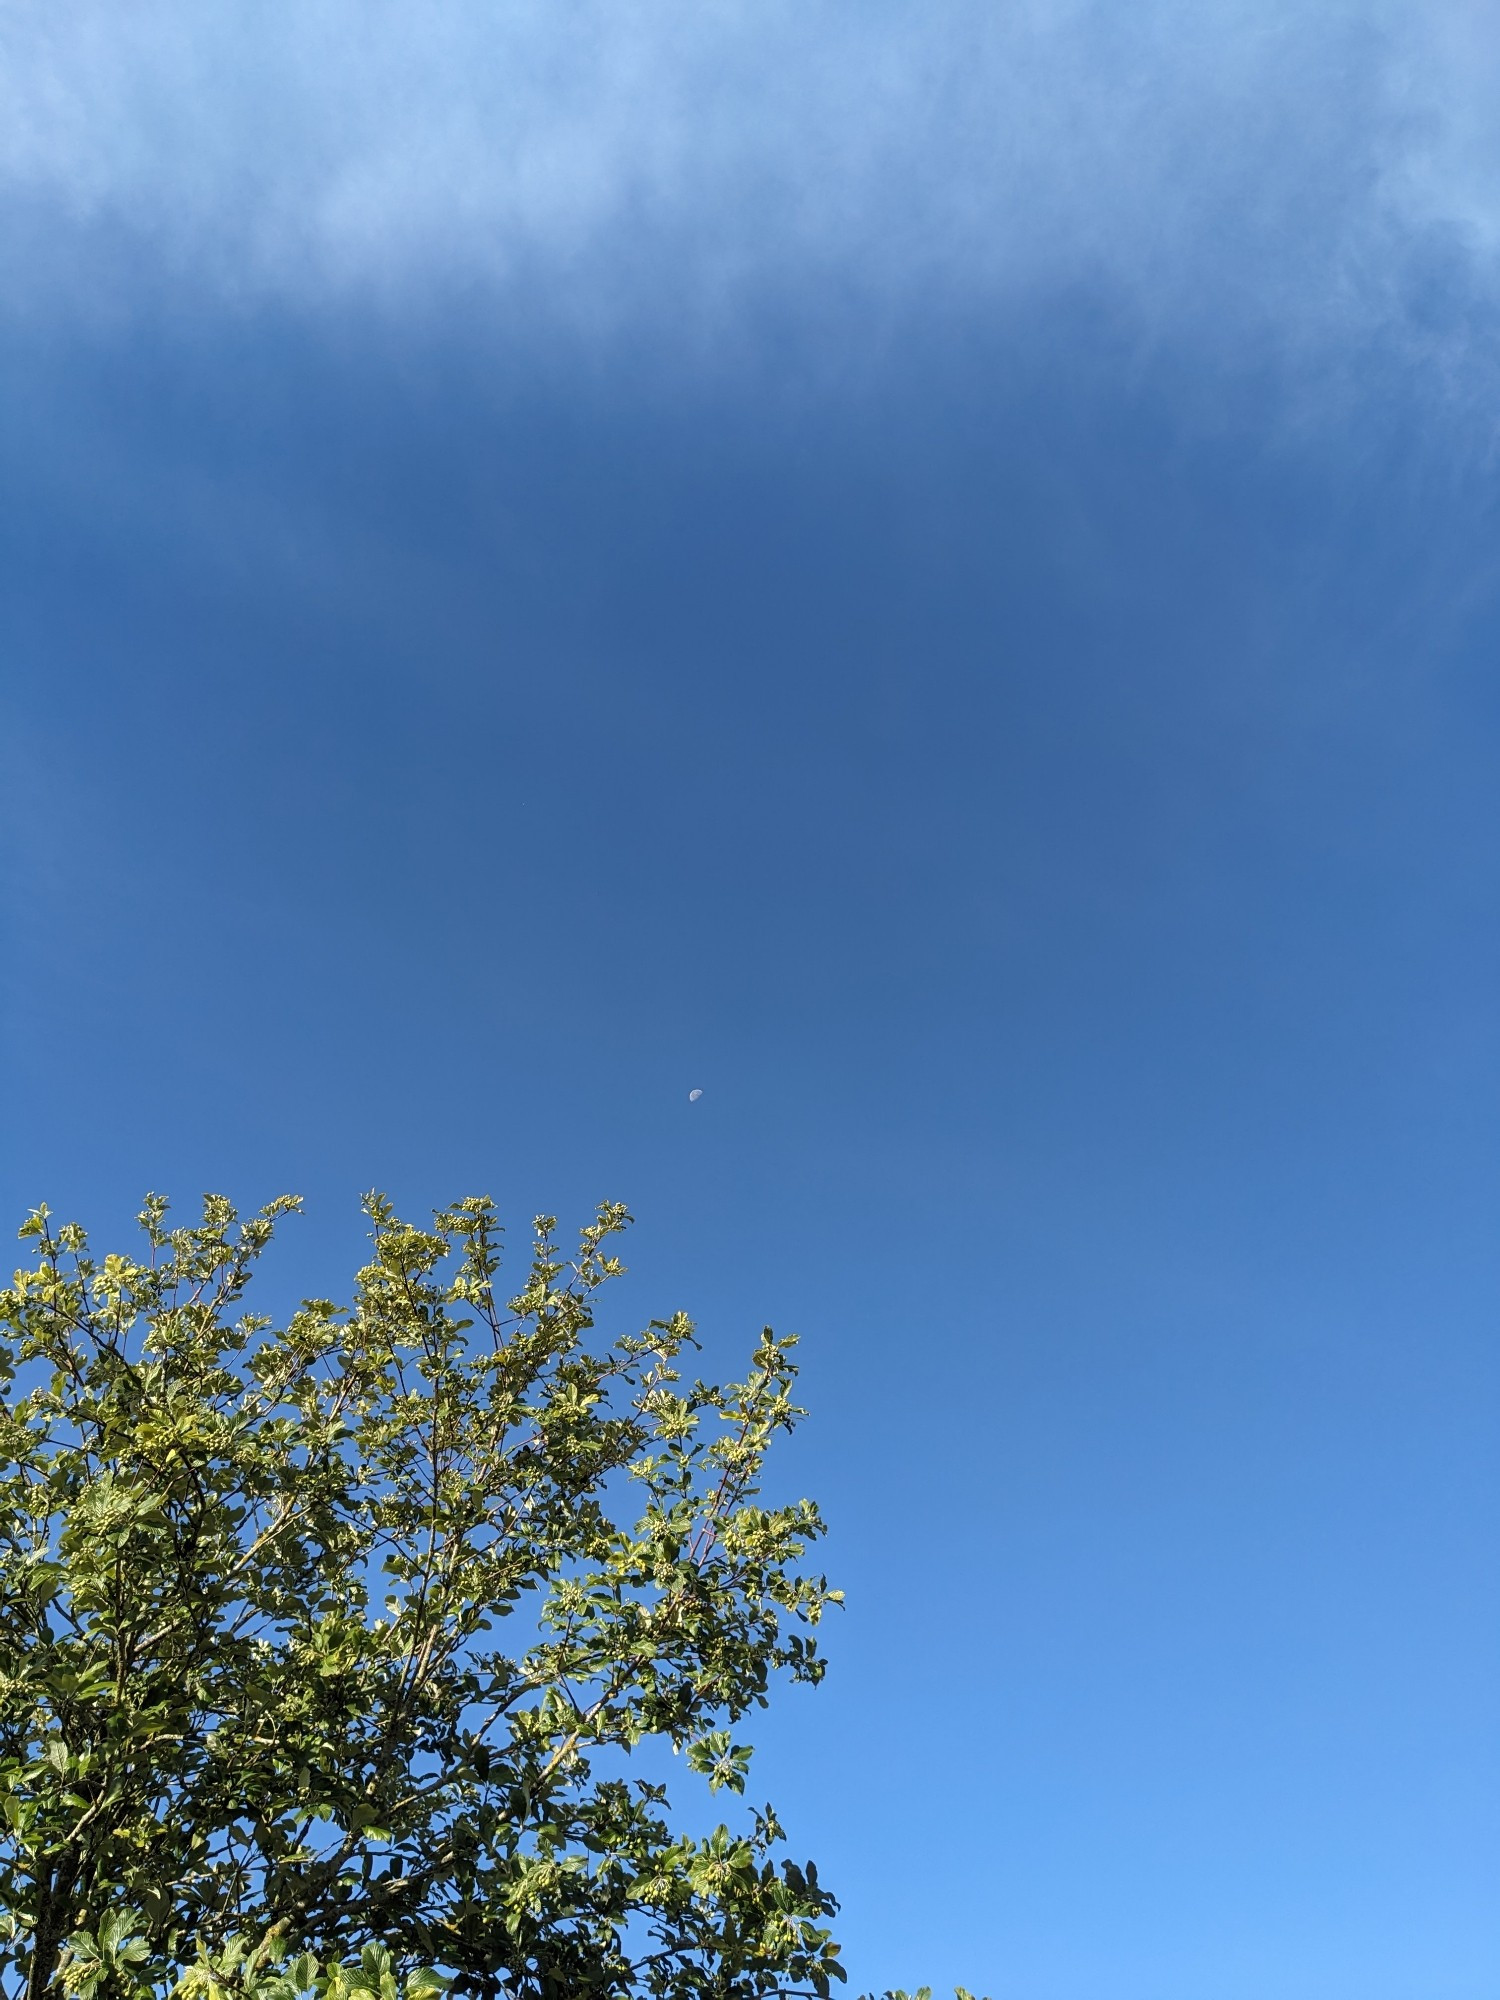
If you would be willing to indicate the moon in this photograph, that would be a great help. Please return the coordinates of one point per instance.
(694, 1095)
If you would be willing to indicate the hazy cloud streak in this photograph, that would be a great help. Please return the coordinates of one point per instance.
(1240, 172)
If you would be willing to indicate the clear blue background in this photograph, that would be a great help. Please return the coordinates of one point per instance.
(1031, 760)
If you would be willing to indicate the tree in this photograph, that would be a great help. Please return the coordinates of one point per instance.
(351, 1637)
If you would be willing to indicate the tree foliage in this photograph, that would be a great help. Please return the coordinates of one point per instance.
(332, 1654)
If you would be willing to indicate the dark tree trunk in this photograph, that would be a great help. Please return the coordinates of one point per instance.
(53, 1925)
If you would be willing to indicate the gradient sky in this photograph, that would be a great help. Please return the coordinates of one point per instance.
(930, 572)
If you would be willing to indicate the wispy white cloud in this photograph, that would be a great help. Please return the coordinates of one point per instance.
(1265, 172)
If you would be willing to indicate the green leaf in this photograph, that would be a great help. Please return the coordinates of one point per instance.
(275, 1761)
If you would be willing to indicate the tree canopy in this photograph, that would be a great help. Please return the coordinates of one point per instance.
(336, 1650)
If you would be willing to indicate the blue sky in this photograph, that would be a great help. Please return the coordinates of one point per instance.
(929, 573)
